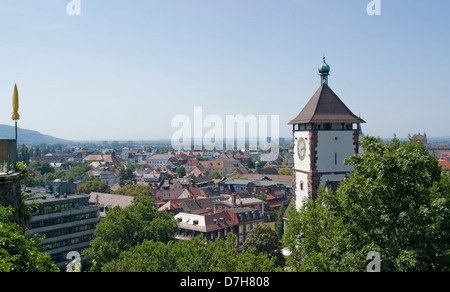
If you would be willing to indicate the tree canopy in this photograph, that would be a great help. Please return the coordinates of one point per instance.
(19, 253)
(181, 171)
(134, 190)
(265, 240)
(395, 202)
(123, 229)
(93, 186)
(194, 256)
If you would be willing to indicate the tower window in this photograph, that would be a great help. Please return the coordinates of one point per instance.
(335, 158)
(301, 186)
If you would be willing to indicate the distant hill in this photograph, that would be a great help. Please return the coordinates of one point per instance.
(29, 137)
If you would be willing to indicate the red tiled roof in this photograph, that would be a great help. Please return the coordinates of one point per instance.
(93, 157)
(444, 163)
(212, 164)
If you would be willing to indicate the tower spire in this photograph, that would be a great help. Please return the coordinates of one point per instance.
(324, 72)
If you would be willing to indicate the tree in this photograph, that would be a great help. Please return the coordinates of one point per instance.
(216, 175)
(264, 240)
(24, 154)
(258, 162)
(395, 202)
(124, 228)
(181, 171)
(279, 221)
(42, 166)
(195, 256)
(19, 253)
(126, 171)
(134, 190)
(93, 186)
(284, 171)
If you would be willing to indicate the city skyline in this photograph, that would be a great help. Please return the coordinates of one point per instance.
(123, 72)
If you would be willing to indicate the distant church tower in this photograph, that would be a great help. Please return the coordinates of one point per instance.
(325, 133)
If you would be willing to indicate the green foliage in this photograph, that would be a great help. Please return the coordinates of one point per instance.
(23, 154)
(265, 240)
(194, 256)
(126, 171)
(284, 171)
(279, 221)
(216, 175)
(261, 163)
(93, 186)
(134, 190)
(395, 202)
(77, 172)
(18, 253)
(124, 228)
(42, 167)
(181, 171)
(20, 167)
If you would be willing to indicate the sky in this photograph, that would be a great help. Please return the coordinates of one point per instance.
(122, 70)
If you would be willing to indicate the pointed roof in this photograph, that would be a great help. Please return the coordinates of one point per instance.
(325, 107)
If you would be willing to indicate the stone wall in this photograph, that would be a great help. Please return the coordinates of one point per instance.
(11, 196)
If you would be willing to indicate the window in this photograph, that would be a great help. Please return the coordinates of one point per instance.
(241, 229)
(335, 158)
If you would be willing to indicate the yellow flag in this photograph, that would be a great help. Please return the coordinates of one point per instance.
(16, 115)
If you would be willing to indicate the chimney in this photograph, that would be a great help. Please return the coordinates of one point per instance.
(233, 199)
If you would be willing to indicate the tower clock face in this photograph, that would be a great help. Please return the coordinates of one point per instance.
(301, 148)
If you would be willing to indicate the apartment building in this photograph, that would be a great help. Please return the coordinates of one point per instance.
(67, 222)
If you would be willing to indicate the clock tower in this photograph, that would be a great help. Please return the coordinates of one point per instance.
(325, 133)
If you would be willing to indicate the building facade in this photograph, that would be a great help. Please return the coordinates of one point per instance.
(325, 133)
(237, 221)
(67, 222)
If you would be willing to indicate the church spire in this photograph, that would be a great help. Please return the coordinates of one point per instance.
(324, 72)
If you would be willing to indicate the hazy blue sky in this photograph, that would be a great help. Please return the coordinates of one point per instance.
(123, 69)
